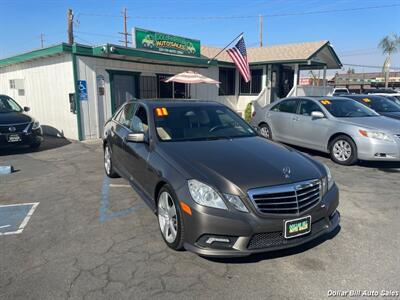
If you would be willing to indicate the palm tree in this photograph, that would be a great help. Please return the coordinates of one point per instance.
(389, 44)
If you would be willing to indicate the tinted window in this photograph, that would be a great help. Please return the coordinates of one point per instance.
(227, 79)
(8, 105)
(288, 106)
(139, 121)
(254, 85)
(203, 122)
(380, 104)
(124, 117)
(347, 109)
(307, 107)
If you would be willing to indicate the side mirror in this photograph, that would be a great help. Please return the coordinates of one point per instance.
(135, 137)
(26, 108)
(317, 115)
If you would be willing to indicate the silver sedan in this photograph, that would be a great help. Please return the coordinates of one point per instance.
(346, 129)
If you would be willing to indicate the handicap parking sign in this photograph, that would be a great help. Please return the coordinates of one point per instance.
(82, 86)
(15, 217)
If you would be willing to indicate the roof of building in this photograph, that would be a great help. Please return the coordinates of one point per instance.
(308, 54)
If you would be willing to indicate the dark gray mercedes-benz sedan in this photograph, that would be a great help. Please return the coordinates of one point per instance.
(217, 187)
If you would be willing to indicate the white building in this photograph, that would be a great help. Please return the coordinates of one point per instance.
(73, 89)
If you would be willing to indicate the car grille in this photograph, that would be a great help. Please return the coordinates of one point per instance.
(18, 128)
(276, 239)
(287, 199)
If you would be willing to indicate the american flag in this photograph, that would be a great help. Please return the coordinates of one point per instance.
(239, 56)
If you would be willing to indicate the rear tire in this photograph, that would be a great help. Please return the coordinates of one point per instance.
(343, 150)
(108, 164)
(266, 131)
(170, 219)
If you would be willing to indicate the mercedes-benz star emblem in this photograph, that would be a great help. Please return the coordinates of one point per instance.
(12, 129)
(286, 172)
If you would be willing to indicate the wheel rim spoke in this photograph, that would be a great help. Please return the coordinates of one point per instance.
(167, 217)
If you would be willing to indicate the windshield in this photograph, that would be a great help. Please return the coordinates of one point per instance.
(190, 123)
(8, 105)
(347, 109)
(380, 104)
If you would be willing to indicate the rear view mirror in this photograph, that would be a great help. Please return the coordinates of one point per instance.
(26, 108)
(135, 137)
(317, 115)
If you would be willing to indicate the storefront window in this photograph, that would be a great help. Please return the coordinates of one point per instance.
(171, 89)
(254, 85)
(227, 79)
(148, 87)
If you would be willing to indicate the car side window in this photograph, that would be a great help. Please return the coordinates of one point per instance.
(275, 107)
(288, 106)
(307, 107)
(126, 114)
(139, 122)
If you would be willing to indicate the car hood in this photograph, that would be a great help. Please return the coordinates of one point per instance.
(242, 163)
(377, 123)
(14, 118)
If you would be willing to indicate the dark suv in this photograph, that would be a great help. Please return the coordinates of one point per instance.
(16, 127)
(217, 187)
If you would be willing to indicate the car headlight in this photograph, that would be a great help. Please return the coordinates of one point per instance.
(236, 202)
(205, 195)
(36, 125)
(327, 181)
(376, 135)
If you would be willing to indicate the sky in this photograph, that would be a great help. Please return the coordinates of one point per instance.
(354, 33)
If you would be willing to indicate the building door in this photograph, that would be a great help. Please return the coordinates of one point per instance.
(286, 82)
(124, 87)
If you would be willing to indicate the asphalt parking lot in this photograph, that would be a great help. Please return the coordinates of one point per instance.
(93, 238)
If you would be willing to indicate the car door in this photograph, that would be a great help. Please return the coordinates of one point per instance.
(137, 154)
(281, 119)
(310, 132)
(119, 131)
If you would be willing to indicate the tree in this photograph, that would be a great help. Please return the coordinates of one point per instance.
(389, 44)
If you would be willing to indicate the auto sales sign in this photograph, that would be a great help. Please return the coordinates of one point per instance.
(167, 43)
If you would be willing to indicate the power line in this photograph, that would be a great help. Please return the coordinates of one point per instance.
(248, 16)
(367, 66)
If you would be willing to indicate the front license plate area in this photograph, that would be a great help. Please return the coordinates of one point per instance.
(13, 138)
(297, 227)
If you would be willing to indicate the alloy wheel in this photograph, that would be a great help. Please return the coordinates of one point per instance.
(342, 150)
(167, 217)
(265, 132)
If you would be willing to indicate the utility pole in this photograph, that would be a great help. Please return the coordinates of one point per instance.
(70, 22)
(261, 35)
(42, 40)
(125, 32)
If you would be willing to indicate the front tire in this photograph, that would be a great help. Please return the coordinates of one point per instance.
(170, 218)
(35, 146)
(108, 164)
(343, 150)
(265, 131)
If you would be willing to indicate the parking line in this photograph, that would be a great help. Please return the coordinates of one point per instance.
(104, 215)
(5, 226)
(119, 185)
(26, 219)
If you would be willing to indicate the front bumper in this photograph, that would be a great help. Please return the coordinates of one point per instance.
(27, 138)
(251, 233)
(378, 150)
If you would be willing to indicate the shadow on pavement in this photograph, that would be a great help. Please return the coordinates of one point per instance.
(254, 258)
(49, 142)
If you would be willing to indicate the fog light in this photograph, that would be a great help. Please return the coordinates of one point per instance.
(211, 240)
(216, 241)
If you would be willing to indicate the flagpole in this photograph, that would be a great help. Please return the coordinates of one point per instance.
(224, 48)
